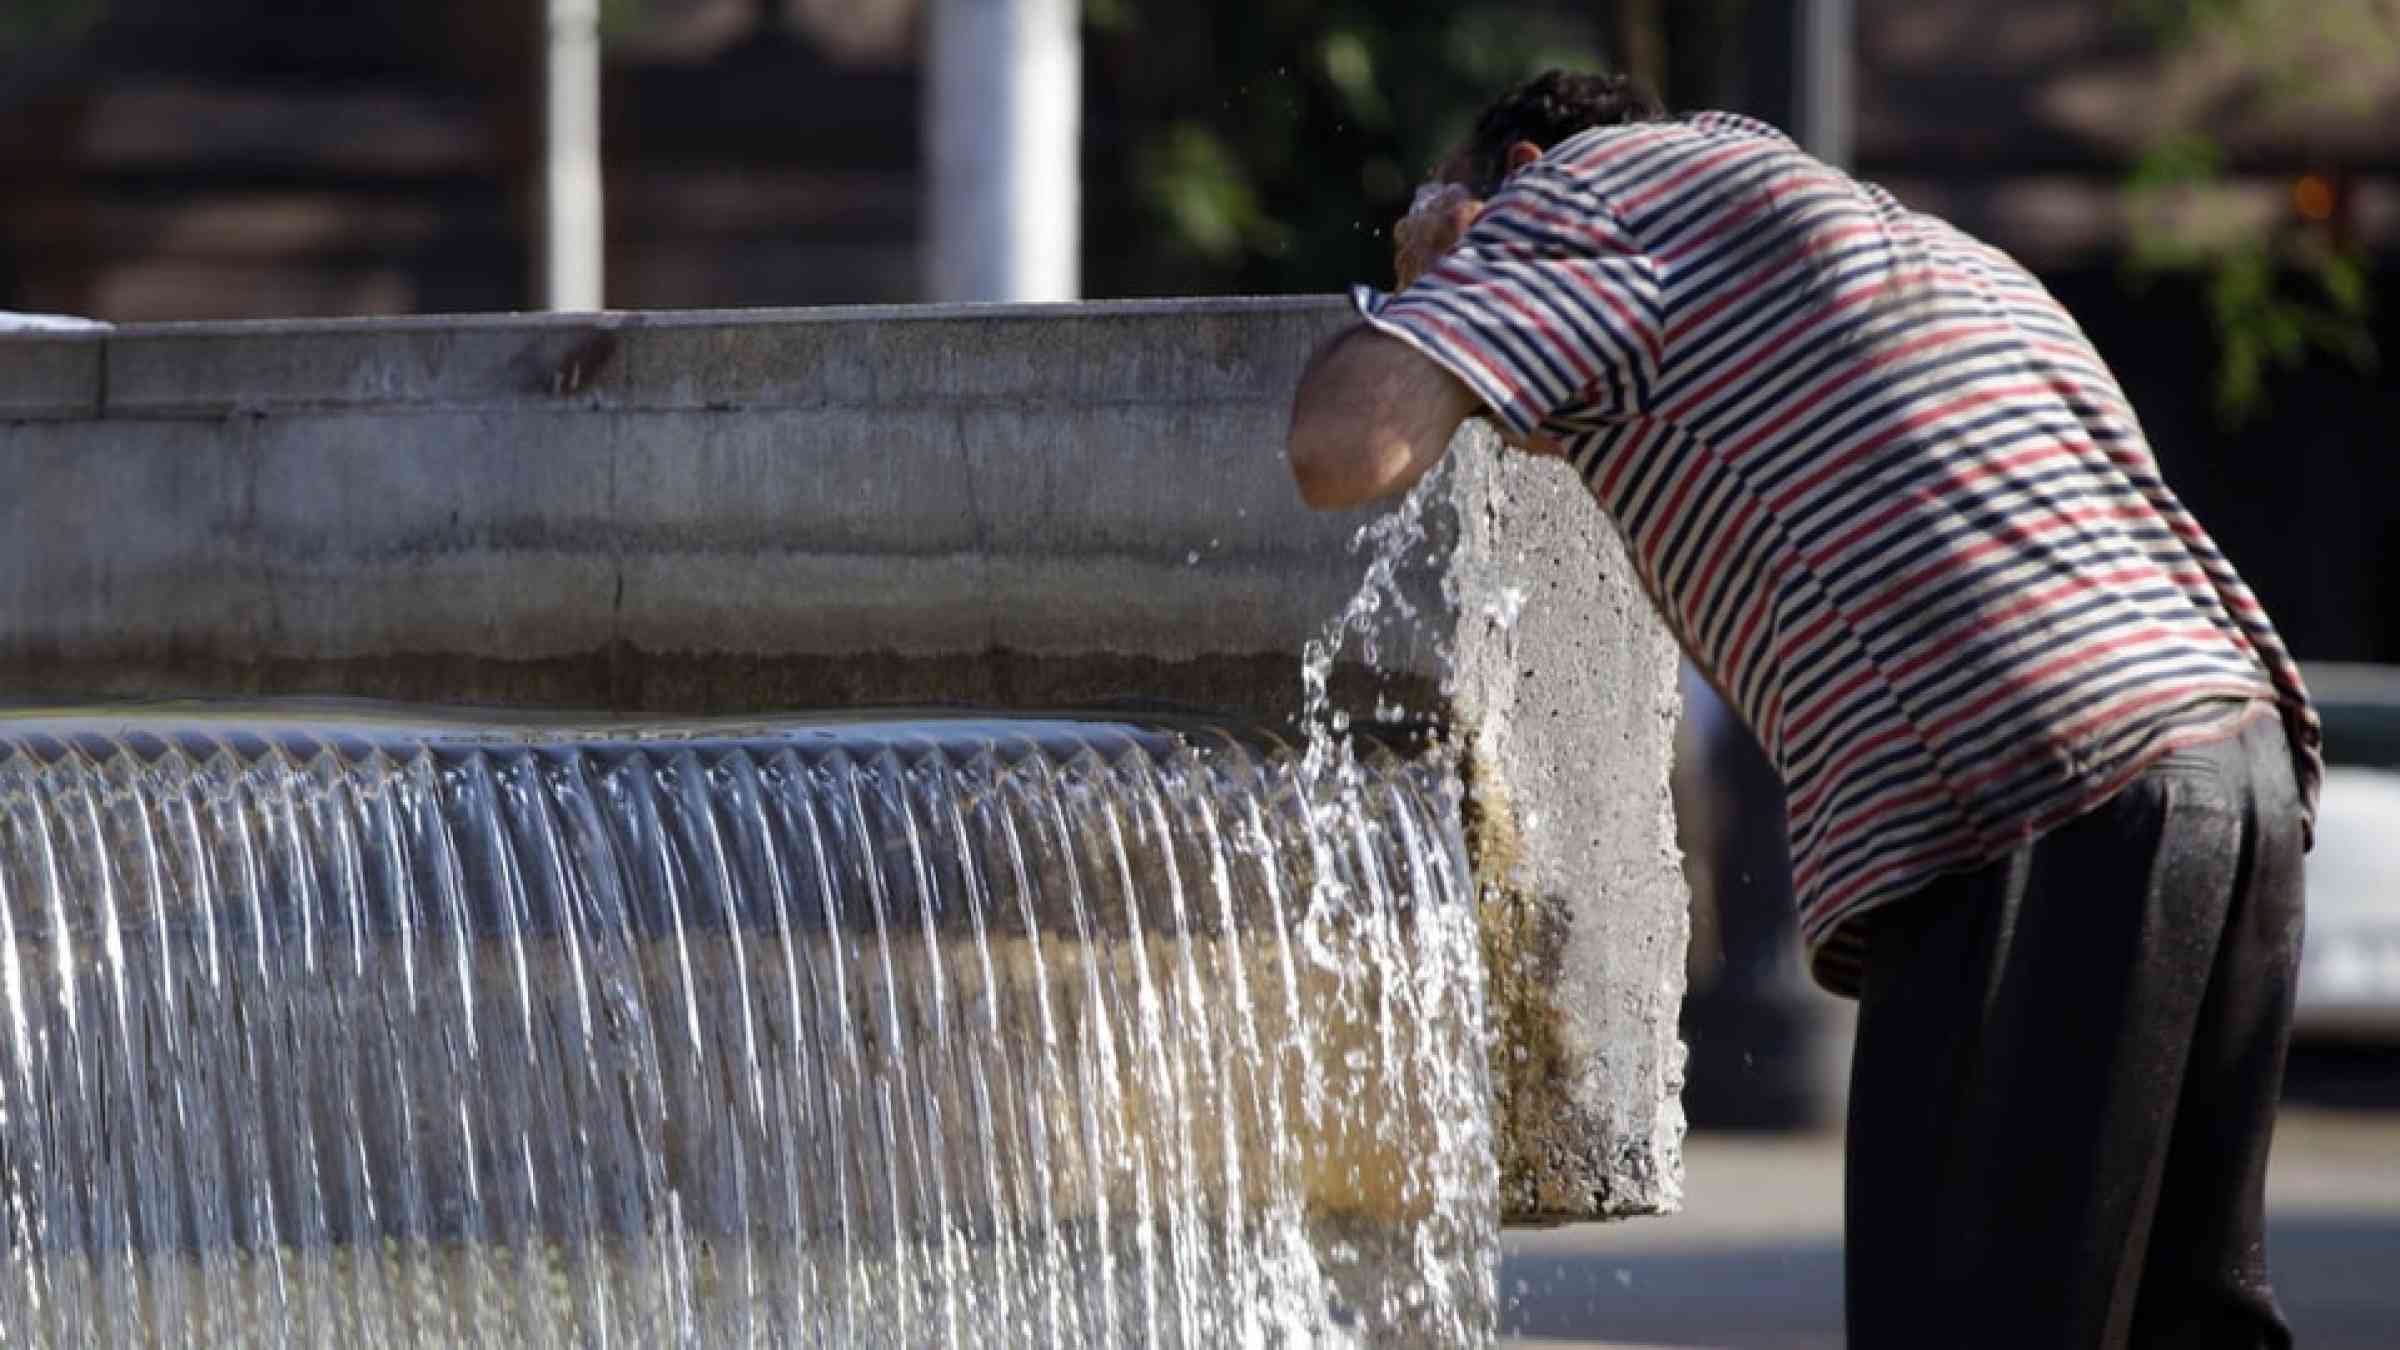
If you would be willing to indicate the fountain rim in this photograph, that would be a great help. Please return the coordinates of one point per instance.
(769, 316)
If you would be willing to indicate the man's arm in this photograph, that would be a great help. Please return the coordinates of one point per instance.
(1371, 416)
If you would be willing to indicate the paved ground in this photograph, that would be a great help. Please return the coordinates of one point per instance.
(1755, 1261)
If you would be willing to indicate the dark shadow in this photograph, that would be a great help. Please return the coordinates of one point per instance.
(2358, 1076)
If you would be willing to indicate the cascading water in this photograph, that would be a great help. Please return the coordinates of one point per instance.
(950, 1032)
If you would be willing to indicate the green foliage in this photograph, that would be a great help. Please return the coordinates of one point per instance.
(1190, 177)
(2176, 20)
(36, 23)
(2263, 322)
(1107, 16)
(2284, 295)
(1268, 146)
(621, 17)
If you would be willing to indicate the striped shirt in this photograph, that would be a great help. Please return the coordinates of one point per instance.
(1879, 484)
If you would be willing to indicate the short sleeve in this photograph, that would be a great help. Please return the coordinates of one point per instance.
(1546, 309)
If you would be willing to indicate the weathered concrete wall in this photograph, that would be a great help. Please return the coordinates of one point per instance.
(1568, 716)
(1015, 507)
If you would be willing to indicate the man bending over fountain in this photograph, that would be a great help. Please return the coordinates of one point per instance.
(2048, 767)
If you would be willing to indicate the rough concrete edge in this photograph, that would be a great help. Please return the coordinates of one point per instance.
(1584, 1128)
(699, 360)
(764, 315)
(1558, 1160)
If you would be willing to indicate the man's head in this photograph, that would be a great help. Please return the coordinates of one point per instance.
(1536, 115)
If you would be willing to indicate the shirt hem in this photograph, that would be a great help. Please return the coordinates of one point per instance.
(1837, 952)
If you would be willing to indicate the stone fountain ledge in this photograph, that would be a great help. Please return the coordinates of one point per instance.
(1009, 506)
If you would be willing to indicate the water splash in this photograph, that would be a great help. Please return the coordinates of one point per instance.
(1381, 603)
(945, 1033)
(1339, 787)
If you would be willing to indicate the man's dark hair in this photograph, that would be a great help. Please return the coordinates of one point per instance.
(1545, 110)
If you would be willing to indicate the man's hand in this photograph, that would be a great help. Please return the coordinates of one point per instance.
(1433, 226)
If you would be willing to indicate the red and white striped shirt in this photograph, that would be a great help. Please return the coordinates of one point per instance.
(1880, 484)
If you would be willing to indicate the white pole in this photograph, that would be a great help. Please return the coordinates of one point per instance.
(571, 258)
(1003, 132)
(1828, 32)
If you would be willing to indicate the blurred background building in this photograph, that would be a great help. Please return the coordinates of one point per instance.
(180, 159)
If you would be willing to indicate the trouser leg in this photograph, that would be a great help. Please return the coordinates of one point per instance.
(2023, 1040)
(2204, 1282)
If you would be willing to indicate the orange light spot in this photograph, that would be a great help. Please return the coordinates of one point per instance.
(2312, 197)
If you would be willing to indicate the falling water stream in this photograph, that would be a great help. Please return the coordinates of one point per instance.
(381, 1027)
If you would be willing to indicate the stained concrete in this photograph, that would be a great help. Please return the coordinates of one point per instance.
(1011, 506)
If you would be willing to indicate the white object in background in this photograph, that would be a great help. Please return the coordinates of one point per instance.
(572, 267)
(1003, 137)
(1828, 49)
(2350, 959)
(12, 322)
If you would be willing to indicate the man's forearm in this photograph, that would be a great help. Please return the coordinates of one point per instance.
(1371, 415)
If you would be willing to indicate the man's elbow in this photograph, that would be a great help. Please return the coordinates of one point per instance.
(1319, 487)
(1324, 466)
(1318, 490)
(1371, 414)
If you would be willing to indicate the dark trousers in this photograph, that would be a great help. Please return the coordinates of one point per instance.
(2067, 1070)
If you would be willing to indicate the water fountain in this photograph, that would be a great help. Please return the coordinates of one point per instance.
(929, 1032)
(388, 1023)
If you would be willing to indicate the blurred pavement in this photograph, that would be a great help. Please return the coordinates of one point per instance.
(1755, 1259)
